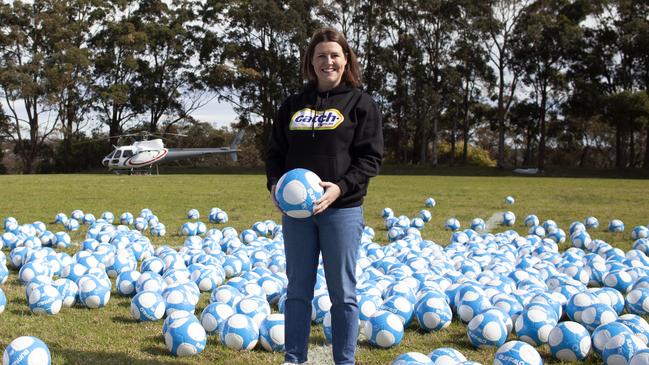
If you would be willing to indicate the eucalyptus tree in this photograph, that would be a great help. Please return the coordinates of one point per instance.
(70, 79)
(115, 46)
(252, 52)
(165, 84)
(435, 28)
(544, 38)
(470, 60)
(499, 25)
(610, 63)
(27, 39)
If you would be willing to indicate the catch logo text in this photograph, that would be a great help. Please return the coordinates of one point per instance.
(307, 119)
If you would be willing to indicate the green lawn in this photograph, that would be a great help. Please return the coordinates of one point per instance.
(110, 336)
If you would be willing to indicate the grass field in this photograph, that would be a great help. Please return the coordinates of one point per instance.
(110, 336)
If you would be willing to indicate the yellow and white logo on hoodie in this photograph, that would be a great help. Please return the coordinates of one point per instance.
(308, 119)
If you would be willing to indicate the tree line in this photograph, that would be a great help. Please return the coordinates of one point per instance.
(530, 83)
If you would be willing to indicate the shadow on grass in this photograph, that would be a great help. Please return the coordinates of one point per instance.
(123, 319)
(156, 350)
(103, 357)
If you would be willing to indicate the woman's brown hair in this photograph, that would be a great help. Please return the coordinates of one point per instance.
(352, 74)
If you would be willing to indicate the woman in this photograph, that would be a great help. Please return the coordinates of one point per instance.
(333, 129)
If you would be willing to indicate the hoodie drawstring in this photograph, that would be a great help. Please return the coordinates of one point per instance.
(318, 105)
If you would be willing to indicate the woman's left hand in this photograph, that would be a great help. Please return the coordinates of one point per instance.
(331, 193)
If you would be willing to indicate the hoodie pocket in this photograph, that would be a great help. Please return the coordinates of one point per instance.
(322, 165)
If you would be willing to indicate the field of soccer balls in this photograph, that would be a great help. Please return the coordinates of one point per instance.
(513, 292)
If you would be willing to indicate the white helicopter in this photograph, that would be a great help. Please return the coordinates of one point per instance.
(143, 155)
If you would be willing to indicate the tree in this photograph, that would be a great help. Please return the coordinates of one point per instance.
(164, 82)
(114, 49)
(499, 25)
(26, 43)
(434, 25)
(471, 66)
(70, 77)
(607, 65)
(626, 111)
(544, 38)
(251, 55)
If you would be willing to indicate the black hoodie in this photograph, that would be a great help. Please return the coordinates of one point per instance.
(337, 134)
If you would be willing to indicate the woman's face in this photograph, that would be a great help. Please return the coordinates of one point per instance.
(329, 63)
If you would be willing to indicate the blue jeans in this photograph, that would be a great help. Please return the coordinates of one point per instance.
(337, 234)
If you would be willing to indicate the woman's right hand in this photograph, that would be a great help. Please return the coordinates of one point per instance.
(272, 197)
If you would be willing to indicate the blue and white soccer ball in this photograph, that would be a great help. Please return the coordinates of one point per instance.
(32, 269)
(637, 301)
(72, 224)
(575, 227)
(618, 279)
(320, 305)
(193, 214)
(126, 282)
(3, 301)
(226, 294)
(597, 314)
(581, 239)
(214, 317)
(531, 220)
(446, 355)
(517, 353)
(425, 215)
(387, 213)
(620, 348)
(412, 358)
(147, 306)
(158, 230)
(534, 325)
(271, 333)
(569, 341)
(218, 216)
(487, 329)
(640, 358)
(240, 332)
(639, 232)
(89, 219)
(60, 218)
(578, 303)
(430, 202)
(108, 217)
(26, 350)
(637, 324)
(603, 333)
(616, 225)
(297, 191)
(126, 218)
(383, 329)
(256, 308)
(93, 292)
(537, 231)
(452, 224)
(591, 222)
(180, 297)
(558, 236)
(470, 302)
(509, 218)
(69, 291)
(45, 299)
(185, 336)
(433, 312)
(401, 306)
(478, 224)
(509, 200)
(10, 224)
(140, 224)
